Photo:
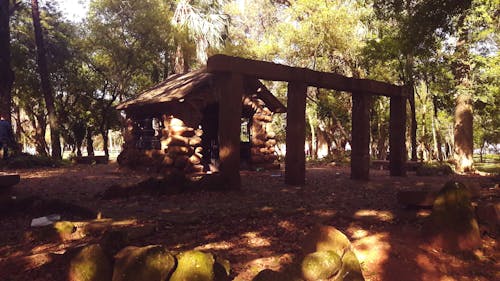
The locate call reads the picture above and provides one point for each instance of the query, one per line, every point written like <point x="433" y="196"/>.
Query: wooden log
<point x="195" y="160"/>
<point x="181" y="161"/>
<point x="188" y="133"/>
<point x="194" y="141"/>
<point x="270" y="142"/>
<point x="179" y="150"/>
<point x="271" y="135"/>
<point x="278" y="72"/>
<point x="198" y="150"/>
<point x="167" y="161"/>
<point x="360" y="144"/>
<point x="198" y="132"/>
<point x="295" y="159"/>
<point x="177" y="140"/>
<point x="263" y="118"/>
<point x="397" y="132"/>
<point x="229" y="90"/>
<point x="194" y="169"/>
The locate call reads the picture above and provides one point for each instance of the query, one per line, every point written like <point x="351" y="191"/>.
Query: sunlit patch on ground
<point x="253" y="239"/>
<point x="372" y="251"/>
<point x="287" y="225"/>
<point x="223" y="245"/>
<point x="252" y="268"/>
<point x="385" y="216"/>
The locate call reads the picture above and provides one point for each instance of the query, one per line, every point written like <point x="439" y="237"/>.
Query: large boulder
<point x="150" y="263"/>
<point x="320" y="263"/>
<point x="325" y="238"/>
<point x="489" y="213"/>
<point x="194" y="266"/>
<point x="452" y="224"/>
<point x="90" y="264"/>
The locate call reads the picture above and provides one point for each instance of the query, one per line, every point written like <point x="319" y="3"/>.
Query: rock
<point x="150" y="263"/>
<point x="434" y="169"/>
<point x="90" y="264"/>
<point x="489" y="213"/>
<point x="113" y="241"/>
<point x="452" y="225"/>
<point x="267" y="275"/>
<point x="350" y="269"/>
<point x="194" y="266"/>
<point x="65" y="229"/>
<point x="417" y="198"/>
<point x="271" y="275"/>
<point x="321" y="265"/>
<point x="9" y="180"/>
<point x="325" y="238"/>
<point x="222" y="269"/>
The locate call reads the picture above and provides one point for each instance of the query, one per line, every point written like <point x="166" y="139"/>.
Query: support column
<point x="360" y="140"/>
<point x="397" y="136"/>
<point x="229" y="91"/>
<point x="295" y="158"/>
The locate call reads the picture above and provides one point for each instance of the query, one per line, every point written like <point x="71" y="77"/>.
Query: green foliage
<point x="27" y="161"/>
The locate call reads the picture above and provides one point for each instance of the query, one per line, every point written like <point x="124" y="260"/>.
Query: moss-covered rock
<point x="321" y="265"/>
<point x="194" y="266"/>
<point x="325" y="238"/>
<point x="350" y="269"/>
<point x="434" y="169"/>
<point x="90" y="264"/>
<point x="150" y="263"/>
<point x="452" y="224"/>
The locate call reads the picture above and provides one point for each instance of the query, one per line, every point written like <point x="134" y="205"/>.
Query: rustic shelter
<point x="173" y="127"/>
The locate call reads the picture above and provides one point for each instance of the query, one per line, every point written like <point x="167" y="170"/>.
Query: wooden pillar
<point x="397" y="136"/>
<point x="295" y="159"/>
<point x="360" y="143"/>
<point x="229" y="91"/>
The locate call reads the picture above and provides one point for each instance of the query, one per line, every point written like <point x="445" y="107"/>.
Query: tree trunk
<point x="413" y="129"/>
<point x="90" y="142"/>
<point x="48" y="92"/>
<point x="6" y="73"/>
<point x="105" y="141"/>
<point x="436" y="130"/>
<point x="463" y="131"/>
<point x="314" y="143"/>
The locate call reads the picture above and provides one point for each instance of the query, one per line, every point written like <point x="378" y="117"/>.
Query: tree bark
<point x="413" y="129"/>
<point x="6" y="73"/>
<point x="463" y="130"/>
<point x="48" y="92"/>
<point x="90" y="142"/>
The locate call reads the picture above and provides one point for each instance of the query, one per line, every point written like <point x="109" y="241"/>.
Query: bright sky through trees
<point x="74" y="10"/>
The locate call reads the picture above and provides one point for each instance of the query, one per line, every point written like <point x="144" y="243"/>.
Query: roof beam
<point x="279" y="72"/>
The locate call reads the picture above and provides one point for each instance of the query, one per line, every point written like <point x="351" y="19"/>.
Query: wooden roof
<point x="180" y="86"/>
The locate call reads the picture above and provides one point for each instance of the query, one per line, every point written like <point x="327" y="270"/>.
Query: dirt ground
<point x="257" y="227"/>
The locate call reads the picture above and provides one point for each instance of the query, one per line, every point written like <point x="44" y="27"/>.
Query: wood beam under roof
<point x="279" y="72"/>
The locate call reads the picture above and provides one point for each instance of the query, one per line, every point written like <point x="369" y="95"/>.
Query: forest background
<point x="61" y="78"/>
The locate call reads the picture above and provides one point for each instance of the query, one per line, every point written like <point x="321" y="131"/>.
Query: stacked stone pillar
<point x="182" y="147"/>
<point x="263" y="140"/>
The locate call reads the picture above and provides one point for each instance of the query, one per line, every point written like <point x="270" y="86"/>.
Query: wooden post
<point x="229" y="91"/>
<point x="397" y="137"/>
<point x="295" y="159"/>
<point x="360" y="143"/>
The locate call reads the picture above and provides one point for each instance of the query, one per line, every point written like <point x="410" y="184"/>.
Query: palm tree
<point x="203" y="23"/>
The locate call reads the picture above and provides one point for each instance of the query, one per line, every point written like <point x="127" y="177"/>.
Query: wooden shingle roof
<point x="180" y="86"/>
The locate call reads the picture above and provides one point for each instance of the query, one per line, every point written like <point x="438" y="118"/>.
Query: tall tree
<point x="48" y="92"/>
<point x="6" y="73"/>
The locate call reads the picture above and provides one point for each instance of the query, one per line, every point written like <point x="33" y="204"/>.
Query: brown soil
<point x="257" y="227"/>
